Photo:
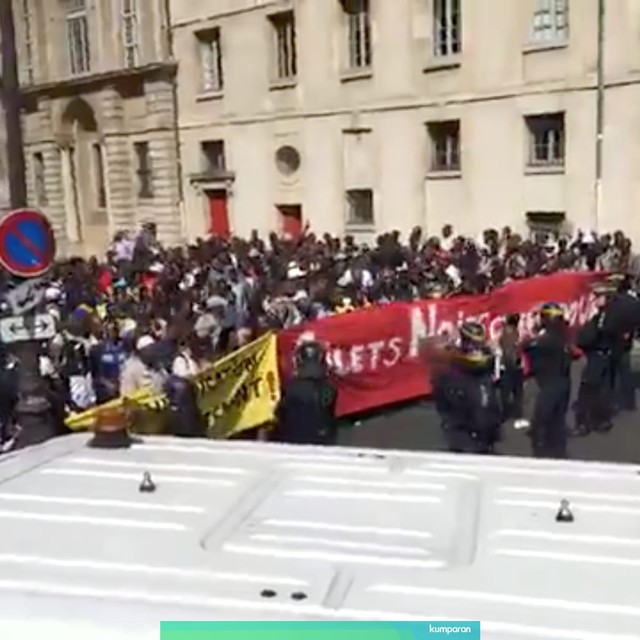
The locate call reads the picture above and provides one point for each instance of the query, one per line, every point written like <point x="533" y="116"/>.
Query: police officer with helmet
<point x="550" y="356"/>
<point x="594" y="407"/>
<point x="466" y="395"/>
<point x="622" y="320"/>
<point x="306" y="412"/>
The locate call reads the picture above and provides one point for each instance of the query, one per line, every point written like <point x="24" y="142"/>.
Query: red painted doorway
<point x="291" y="219"/>
<point x="219" y="213"/>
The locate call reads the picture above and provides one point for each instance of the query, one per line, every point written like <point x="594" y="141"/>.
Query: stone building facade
<point x="5" y="200"/>
<point x="361" y="116"/>
<point x="99" y="118"/>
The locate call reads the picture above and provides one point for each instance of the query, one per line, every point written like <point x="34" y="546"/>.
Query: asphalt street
<point x="415" y="427"/>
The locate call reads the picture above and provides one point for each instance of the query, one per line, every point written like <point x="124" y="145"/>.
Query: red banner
<point x="376" y="353"/>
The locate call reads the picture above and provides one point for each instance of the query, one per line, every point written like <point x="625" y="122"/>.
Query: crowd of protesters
<point x="146" y="313"/>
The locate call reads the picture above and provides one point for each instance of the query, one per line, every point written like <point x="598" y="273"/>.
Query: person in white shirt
<point x="447" y="240"/>
<point x="138" y="373"/>
<point x="184" y="364"/>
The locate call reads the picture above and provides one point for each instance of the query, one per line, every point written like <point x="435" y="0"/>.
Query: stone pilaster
<point x="117" y="165"/>
<point x="164" y="160"/>
<point x="55" y="207"/>
<point x="119" y="183"/>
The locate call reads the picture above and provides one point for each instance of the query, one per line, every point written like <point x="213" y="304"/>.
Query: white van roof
<point x="255" y="531"/>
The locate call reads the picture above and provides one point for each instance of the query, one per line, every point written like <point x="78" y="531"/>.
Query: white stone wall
<point x="123" y="117"/>
<point x="497" y="80"/>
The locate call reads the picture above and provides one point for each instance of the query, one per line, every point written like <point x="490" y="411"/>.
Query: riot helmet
<point x="309" y="360"/>
<point x="472" y="335"/>
<point x="551" y="314"/>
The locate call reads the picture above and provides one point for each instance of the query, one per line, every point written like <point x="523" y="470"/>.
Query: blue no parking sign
<point x="27" y="243"/>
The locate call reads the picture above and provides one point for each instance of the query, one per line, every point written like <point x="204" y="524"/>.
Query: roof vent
<point x="147" y="485"/>
<point x="268" y="593"/>
<point x="299" y="596"/>
<point x="564" y="513"/>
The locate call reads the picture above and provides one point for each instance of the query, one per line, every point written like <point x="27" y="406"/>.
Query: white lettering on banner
<point x="424" y="323"/>
<point x="359" y="358"/>
<point x="365" y="358"/>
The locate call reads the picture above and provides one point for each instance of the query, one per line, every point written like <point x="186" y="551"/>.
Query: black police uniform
<point x="183" y="417"/>
<point x="550" y="356"/>
<point x="306" y="412"/>
<point x="8" y="398"/>
<point x="594" y="406"/>
<point x="467" y="400"/>
<point x="622" y="322"/>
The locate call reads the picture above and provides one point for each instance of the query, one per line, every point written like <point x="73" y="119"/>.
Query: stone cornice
<point x="91" y="82"/>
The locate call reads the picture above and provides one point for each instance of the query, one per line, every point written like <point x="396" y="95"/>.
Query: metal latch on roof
<point x="564" y="513"/>
<point x="147" y="485"/>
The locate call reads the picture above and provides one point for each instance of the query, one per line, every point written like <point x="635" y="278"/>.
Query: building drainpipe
<point x="168" y="34"/>
<point x="600" y="113"/>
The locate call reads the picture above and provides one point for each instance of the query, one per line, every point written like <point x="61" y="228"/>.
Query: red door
<point x="291" y="219"/>
<point x="219" y="214"/>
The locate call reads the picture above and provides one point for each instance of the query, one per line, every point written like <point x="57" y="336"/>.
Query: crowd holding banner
<point x="237" y="393"/>
<point x="375" y="354"/>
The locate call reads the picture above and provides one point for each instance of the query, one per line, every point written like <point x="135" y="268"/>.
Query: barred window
<point x="445" y="145"/>
<point x="551" y="20"/>
<point x="358" y="33"/>
<point x="284" y="46"/>
<point x="143" y="170"/>
<point x="130" y="37"/>
<point x="210" y="44"/>
<point x="447" y="27"/>
<point x="78" y="37"/>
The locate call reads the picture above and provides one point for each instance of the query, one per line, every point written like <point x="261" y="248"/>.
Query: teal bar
<point x="428" y="630"/>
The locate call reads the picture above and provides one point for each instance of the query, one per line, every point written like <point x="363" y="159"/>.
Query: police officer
<point x="183" y="418"/>
<point x="622" y="322"/>
<point x="8" y="399"/>
<point x="550" y="356"/>
<point x="594" y="406"/>
<point x="306" y="412"/>
<point x="465" y="393"/>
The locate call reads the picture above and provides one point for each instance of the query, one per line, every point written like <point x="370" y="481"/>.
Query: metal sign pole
<point x="27" y="251"/>
<point x="34" y="415"/>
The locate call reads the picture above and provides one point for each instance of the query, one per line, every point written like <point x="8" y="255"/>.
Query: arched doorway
<point x="84" y="179"/>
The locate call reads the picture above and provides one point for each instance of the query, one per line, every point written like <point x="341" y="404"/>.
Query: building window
<point x="27" y="27"/>
<point x="285" y="60"/>
<point x="98" y="167"/>
<point x="38" y="179"/>
<point x="143" y="170"/>
<point x="546" y="140"/>
<point x="213" y="156"/>
<point x="447" y="28"/>
<point x="358" y="33"/>
<point x="78" y="37"/>
<point x="551" y="20"/>
<point x="360" y="207"/>
<point x="130" y="45"/>
<point x="445" y="145"/>
<point x="210" y="44"/>
<point x="545" y="225"/>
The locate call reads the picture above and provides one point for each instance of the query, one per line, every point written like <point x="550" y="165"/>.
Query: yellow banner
<point x="237" y="393"/>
